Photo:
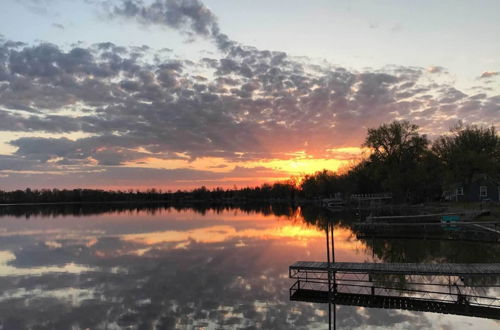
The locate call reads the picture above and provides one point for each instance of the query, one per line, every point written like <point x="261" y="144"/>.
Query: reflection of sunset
<point x="298" y="232"/>
<point x="295" y="233"/>
<point x="217" y="234"/>
<point x="262" y="227"/>
<point x="167" y="166"/>
<point x="344" y="240"/>
<point x="148" y="259"/>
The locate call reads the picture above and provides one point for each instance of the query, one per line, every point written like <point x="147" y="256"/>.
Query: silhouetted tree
<point x="398" y="155"/>
<point x="467" y="151"/>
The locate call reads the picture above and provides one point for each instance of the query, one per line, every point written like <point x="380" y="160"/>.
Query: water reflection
<point x="470" y="289"/>
<point x="150" y="267"/>
<point x="87" y="209"/>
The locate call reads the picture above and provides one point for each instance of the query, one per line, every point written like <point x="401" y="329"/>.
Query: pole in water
<point x="329" y="281"/>
<point x="333" y="243"/>
<point x="334" y="316"/>
<point x="334" y="279"/>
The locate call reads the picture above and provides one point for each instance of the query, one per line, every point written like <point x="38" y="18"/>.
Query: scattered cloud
<point x="244" y="104"/>
<point x="58" y="26"/>
<point x="191" y="16"/>
<point x="489" y="74"/>
<point x="436" y="69"/>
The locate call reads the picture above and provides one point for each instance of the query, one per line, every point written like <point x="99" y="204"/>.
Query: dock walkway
<point x="388" y="302"/>
<point x="477" y="269"/>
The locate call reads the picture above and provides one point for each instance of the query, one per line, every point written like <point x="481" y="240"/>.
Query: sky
<point x="171" y="94"/>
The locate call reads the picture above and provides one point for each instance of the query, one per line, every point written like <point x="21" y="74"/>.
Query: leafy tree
<point x="467" y="151"/>
<point x="398" y="153"/>
<point x="395" y="141"/>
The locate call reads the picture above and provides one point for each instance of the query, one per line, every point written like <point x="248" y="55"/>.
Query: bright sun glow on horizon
<point x="299" y="164"/>
<point x="244" y="173"/>
<point x="204" y="96"/>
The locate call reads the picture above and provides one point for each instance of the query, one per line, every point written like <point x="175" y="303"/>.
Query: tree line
<point x="411" y="166"/>
<point x="400" y="161"/>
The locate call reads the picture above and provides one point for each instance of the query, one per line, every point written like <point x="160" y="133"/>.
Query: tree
<point x="467" y="151"/>
<point x="392" y="142"/>
<point x="398" y="153"/>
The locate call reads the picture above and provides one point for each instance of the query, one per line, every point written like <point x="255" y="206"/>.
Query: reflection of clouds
<point x="74" y="296"/>
<point x="186" y="273"/>
<point x="140" y="221"/>
<point x="206" y="284"/>
<point x="53" y="233"/>
<point x="6" y="269"/>
<point x="359" y="317"/>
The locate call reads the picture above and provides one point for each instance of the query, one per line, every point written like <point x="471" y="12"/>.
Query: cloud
<point x="21" y="173"/>
<point x="189" y="16"/>
<point x="15" y="163"/>
<point x="488" y="74"/>
<point x="58" y="26"/>
<point x="133" y="103"/>
<point x="258" y="105"/>
<point x="436" y="69"/>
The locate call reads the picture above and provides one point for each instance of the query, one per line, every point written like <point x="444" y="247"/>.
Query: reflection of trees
<point x="438" y="249"/>
<point x="321" y="217"/>
<point x="170" y="287"/>
<point x="87" y="209"/>
<point x="78" y="209"/>
<point x="414" y="250"/>
<point x="388" y="250"/>
<point x="406" y="250"/>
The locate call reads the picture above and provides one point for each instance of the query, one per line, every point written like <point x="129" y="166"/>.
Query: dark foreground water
<point x="112" y="267"/>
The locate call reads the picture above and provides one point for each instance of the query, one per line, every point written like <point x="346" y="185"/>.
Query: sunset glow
<point x="178" y="94"/>
<point x="264" y="164"/>
<point x="273" y="169"/>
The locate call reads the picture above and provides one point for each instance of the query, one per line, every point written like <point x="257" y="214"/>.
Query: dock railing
<point x="366" y="197"/>
<point x="440" y="288"/>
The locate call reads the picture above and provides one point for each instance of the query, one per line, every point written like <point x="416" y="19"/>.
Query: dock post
<point x="334" y="306"/>
<point x="329" y="279"/>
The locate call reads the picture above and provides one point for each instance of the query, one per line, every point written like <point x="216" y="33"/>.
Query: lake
<point x="122" y="266"/>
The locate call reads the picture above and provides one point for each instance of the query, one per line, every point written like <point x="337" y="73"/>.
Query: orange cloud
<point x="489" y="74"/>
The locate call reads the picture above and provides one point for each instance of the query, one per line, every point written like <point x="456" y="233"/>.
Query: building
<point x="482" y="187"/>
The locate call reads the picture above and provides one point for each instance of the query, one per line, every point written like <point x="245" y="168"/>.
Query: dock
<point x="391" y="302"/>
<point x="371" y="197"/>
<point x="481" y="231"/>
<point x="437" y="217"/>
<point x="446" y="288"/>
<point x="406" y="224"/>
<point x="486" y="228"/>
<point x="479" y="269"/>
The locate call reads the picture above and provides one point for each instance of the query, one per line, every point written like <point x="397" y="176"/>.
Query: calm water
<point x="160" y="268"/>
